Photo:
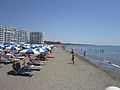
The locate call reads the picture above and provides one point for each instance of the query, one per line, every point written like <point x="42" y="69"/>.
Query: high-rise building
<point x="22" y="36"/>
<point x="36" y="37"/>
<point x="5" y="34"/>
<point x="1" y="34"/>
<point x="8" y="35"/>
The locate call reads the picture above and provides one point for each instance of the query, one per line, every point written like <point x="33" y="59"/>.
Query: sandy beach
<point x="60" y="74"/>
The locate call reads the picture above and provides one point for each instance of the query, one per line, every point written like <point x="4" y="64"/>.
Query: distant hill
<point x="77" y="44"/>
<point x="52" y="42"/>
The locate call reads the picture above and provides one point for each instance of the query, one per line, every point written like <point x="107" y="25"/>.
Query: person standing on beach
<point x="72" y="52"/>
<point x="84" y="53"/>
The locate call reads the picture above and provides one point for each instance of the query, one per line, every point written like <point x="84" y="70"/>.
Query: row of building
<point x="9" y="34"/>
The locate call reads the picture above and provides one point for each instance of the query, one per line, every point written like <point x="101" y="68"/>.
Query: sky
<point x="73" y="21"/>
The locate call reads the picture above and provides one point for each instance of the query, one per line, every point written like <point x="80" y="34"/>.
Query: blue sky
<point x="75" y="21"/>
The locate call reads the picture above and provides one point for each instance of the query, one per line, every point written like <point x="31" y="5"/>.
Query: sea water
<point x="106" y="57"/>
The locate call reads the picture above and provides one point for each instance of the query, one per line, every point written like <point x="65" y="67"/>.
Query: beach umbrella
<point x="23" y="51"/>
<point x="41" y="45"/>
<point x="34" y="46"/>
<point x="73" y="48"/>
<point x="21" y="46"/>
<point x="30" y="51"/>
<point x="46" y="47"/>
<point x="12" y="48"/>
<point x="2" y="45"/>
<point x="27" y="46"/>
<point x="7" y="44"/>
<point x="40" y="50"/>
<point x="16" y="45"/>
<point x="8" y="54"/>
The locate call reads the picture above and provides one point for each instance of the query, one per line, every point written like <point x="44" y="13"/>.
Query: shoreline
<point x="115" y="75"/>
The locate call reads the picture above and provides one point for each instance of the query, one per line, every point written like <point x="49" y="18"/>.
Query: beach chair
<point x="35" y="62"/>
<point x="10" y="58"/>
<point x="6" y="59"/>
<point x="29" y="66"/>
<point x="35" y="68"/>
<point x="50" y="56"/>
<point x="42" y="57"/>
<point x="19" y="71"/>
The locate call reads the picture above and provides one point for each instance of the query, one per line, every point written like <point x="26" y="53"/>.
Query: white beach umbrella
<point x="40" y="50"/>
<point x="30" y="51"/>
<point x="12" y="48"/>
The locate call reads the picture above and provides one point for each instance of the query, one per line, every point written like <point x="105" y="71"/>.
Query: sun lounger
<point x="29" y="66"/>
<point x="36" y="68"/>
<point x="50" y="56"/>
<point x="8" y="61"/>
<point x="5" y="61"/>
<point x="19" y="71"/>
<point x="42" y="57"/>
<point x="35" y="62"/>
<point x="20" y="57"/>
<point x="6" y="57"/>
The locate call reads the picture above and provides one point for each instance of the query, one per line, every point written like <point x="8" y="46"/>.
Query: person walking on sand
<point x="72" y="52"/>
<point x="84" y="53"/>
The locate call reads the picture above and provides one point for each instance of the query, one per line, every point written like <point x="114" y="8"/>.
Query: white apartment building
<point x="8" y="35"/>
<point x="36" y="37"/>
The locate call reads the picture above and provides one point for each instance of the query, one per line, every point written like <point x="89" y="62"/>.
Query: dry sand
<point x="59" y="74"/>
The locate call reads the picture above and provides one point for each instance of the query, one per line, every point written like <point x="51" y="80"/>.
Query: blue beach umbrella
<point x="21" y="46"/>
<point x="30" y="51"/>
<point x="27" y="46"/>
<point x="34" y="46"/>
<point x="46" y="47"/>
<point x="12" y="48"/>
<point x="45" y="50"/>
<point x="40" y="50"/>
<point x="7" y="44"/>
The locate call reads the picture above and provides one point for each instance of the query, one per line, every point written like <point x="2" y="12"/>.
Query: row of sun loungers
<point x="27" y="70"/>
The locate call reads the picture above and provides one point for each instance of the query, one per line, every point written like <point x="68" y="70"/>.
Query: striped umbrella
<point x="40" y="50"/>
<point x="30" y="51"/>
<point x="12" y="48"/>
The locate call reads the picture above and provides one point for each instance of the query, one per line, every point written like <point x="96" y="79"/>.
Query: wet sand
<point x="60" y="74"/>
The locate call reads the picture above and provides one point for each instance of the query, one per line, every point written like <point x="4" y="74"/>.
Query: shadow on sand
<point x="11" y="72"/>
<point x="70" y="63"/>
